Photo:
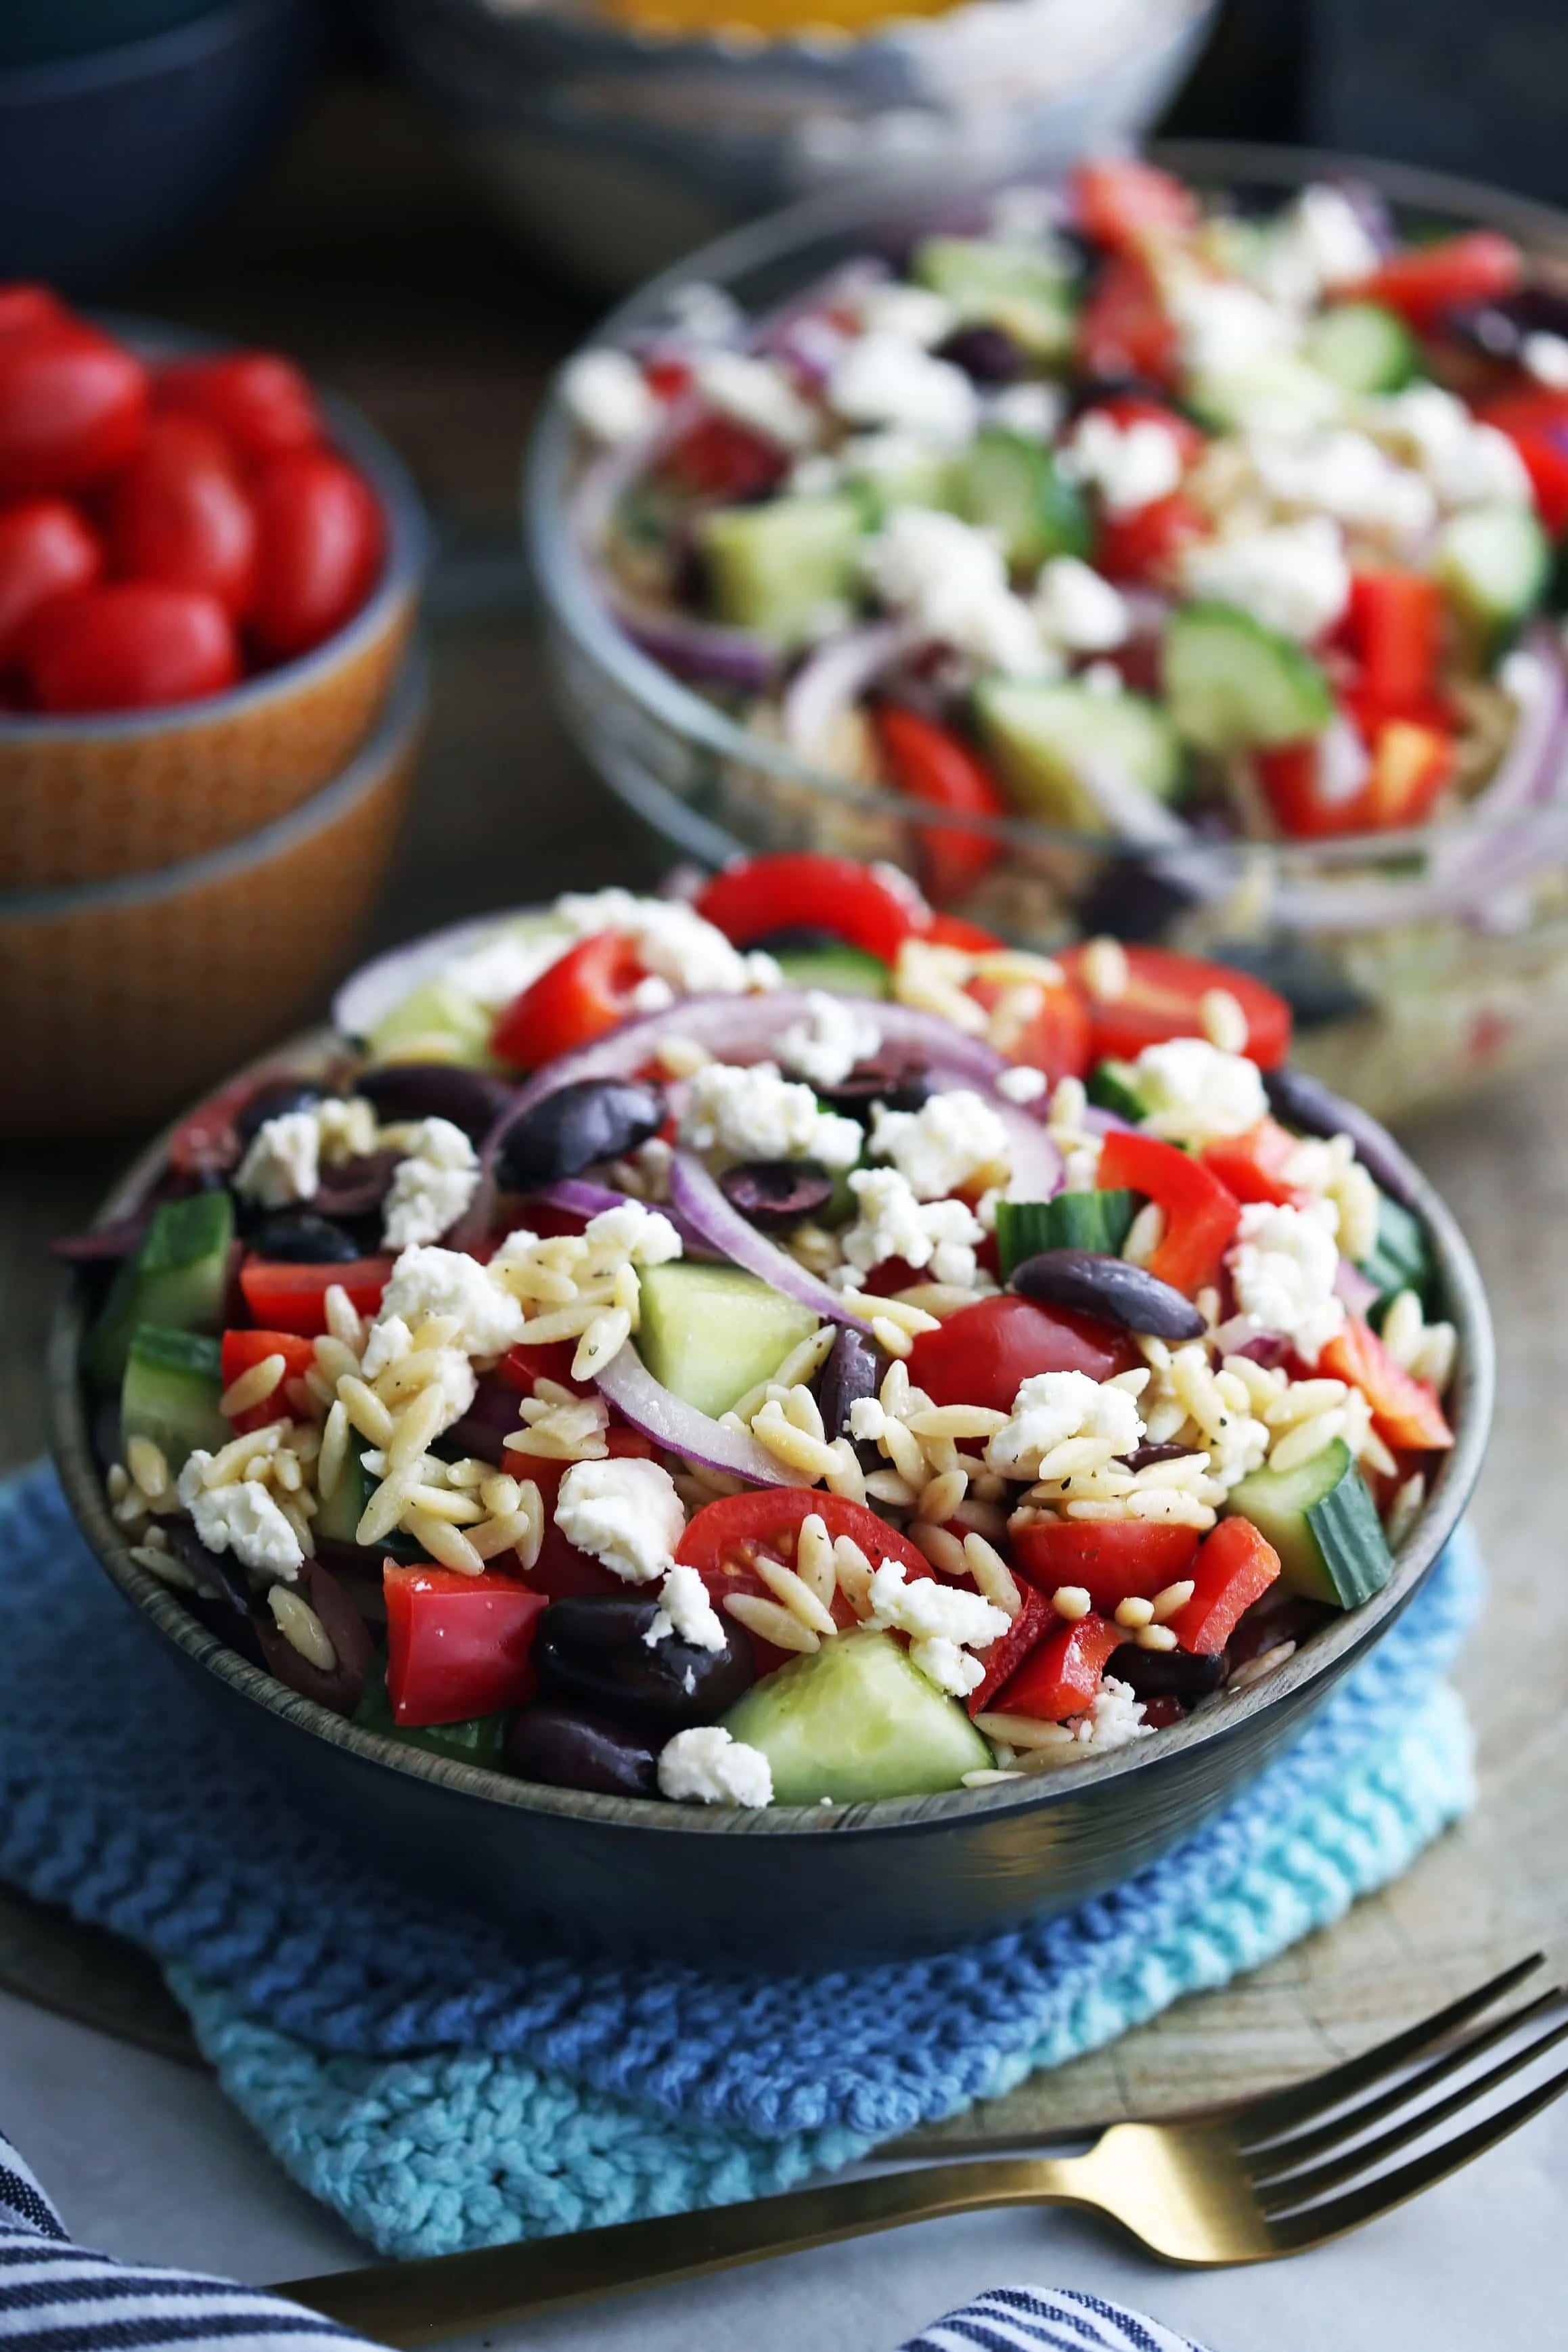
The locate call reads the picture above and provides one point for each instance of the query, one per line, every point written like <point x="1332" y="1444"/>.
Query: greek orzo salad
<point x="784" y="1346"/>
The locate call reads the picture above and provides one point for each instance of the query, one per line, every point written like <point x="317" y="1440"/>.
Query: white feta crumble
<point x="704" y="313"/>
<point x="1344" y="475"/>
<point x="1294" y="577"/>
<point x="1078" y="609"/>
<point x="672" y="940"/>
<point x="1130" y="466"/>
<point x="281" y="1164"/>
<point x="1283" y="1265"/>
<point x="1103" y="678"/>
<point x="1320" y="243"/>
<point x="426" y="1281"/>
<point x="1545" y="357"/>
<point x="944" y="1623"/>
<point x="430" y="1186"/>
<point x="685" y="1611"/>
<point x="868" y="1419"/>
<point x="501" y="967"/>
<point x="939" y="1148"/>
<point x="608" y="397"/>
<point x="242" y="1518"/>
<point x="634" y="1234"/>
<point x="914" y="314"/>
<point x="1193" y="1093"/>
<point x="834" y="1036"/>
<point x="653" y="994"/>
<point x="1023" y="1083"/>
<point x="886" y="379"/>
<point x="1466" y="462"/>
<point x="1224" y="326"/>
<point x="1051" y="1407"/>
<point x="1114" y="1720"/>
<point x="891" y="1223"/>
<point x="626" y="1513"/>
<point x="389" y="1340"/>
<point x="753" y="1112"/>
<point x="1032" y="410"/>
<point x="756" y="393"/>
<point x="707" y="1766"/>
<point x="950" y="582"/>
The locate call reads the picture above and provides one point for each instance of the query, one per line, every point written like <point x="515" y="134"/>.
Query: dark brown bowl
<point x="791" y="1885"/>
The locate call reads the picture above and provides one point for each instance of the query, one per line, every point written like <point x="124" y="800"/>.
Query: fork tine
<point x="1265" y="2118"/>
<point x="1298" y="2148"/>
<point x="1319" y="2223"/>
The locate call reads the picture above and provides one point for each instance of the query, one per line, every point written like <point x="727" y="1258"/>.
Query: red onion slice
<point x="719" y="1223"/>
<point x="581" y="1200"/>
<point x="1357" y="1291"/>
<point x="628" y="1384"/>
<point x="1038" y="1173"/>
<point x="1241" y="1336"/>
<point x="834" y="678"/>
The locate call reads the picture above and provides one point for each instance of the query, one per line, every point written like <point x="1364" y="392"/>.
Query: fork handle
<point x="422" y="2302"/>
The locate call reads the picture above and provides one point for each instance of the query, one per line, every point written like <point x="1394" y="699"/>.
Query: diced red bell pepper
<point x="459" y="1645"/>
<point x="1054" y="1038"/>
<point x="720" y="460"/>
<point x="1234" y="1567"/>
<point x="1127" y="204"/>
<point x="1007" y="1654"/>
<point x="1124" y="327"/>
<point x="241" y="1349"/>
<point x="1164" y="998"/>
<point x="981" y="1355"/>
<point x="1201" y="1213"/>
<point x="284" y="1297"/>
<point x="929" y="762"/>
<point x="1063" y="1672"/>
<point x="1405" y="1411"/>
<point x="1253" y="1165"/>
<point x="1393" y="623"/>
<point x="1141" y="549"/>
<point x="581" y="996"/>
<point x="522" y="1368"/>
<point x="1426" y="281"/>
<point x="1112" y="1560"/>
<point x="1410" y="762"/>
<point x="860" y="905"/>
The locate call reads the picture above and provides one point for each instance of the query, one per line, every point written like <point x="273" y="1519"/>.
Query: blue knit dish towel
<point x="440" y="2089"/>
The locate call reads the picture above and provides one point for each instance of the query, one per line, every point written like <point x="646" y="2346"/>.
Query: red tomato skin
<point x="1123" y="327"/>
<point x="128" y="645"/>
<point x="48" y="549"/>
<point x="457" y="1645"/>
<point x="1007" y="1654"/>
<point x="722" y="1541"/>
<point x="1405" y="1411"/>
<point x="720" y="460"/>
<point x="24" y="310"/>
<point x="1141" y="549"/>
<point x="284" y="1297"/>
<point x="73" y="409"/>
<point x="1062" y="1675"/>
<point x="523" y="1367"/>
<point x="1234" y="1567"/>
<point x="1162" y="1000"/>
<point x="929" y="762"/>
<point x="983" y="1354"/>
<point x="241" y="1349"/>
<point x="1126" y="204"/>
<point x="1112" y="1560"/>
<point x="581" y="996"/>
<point x="1055" y="1039"/>
<point x="760" y="895"/>
<point x="561" y="1572"/>
<point x="1252" y="1166"/>
<point x="1427" y="281"/>
<point x="179" y="513"/>
<point x="262" y="404"/>
<point x="319" y="543"/>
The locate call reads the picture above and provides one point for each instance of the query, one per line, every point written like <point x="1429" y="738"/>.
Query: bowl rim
<point x="409" y="546"/>
<point x="169" y="50"/>
<point x="575" y="607"/>
<point x="1318" y="1660"/>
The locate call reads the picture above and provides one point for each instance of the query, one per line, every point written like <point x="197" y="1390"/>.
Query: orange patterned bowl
<point x="121" y="999"/>
<point x="84" y="800"/>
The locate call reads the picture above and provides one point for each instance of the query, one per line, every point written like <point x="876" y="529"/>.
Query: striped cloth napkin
<point x="60" y="2297"/>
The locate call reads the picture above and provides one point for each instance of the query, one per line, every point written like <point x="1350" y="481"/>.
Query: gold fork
<point x="1246" y="2185"/>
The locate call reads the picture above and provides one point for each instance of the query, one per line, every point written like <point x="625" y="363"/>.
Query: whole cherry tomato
<point x="129" y="646"/>
<point x="73" y="408"/>
<point x="319" y="549"/>
<point x="180" y="514"/>
<point x="47" y="548"/>
<point x="260" y="403"/>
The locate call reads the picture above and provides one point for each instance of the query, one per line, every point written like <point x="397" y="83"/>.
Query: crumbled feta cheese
<point x="1283" y="1265"/>
<point x="1116" y="1719"/>
<point x="242" y="1518"/>
<point x="1193" y="1093"/>
<point x="1103" y="678"/>
<point x="941" y="1662"/>
<point x="868" y="1419"/>
<point x="1033" y="411"/>
<point x="446" y="1282"/>
<point x="1022" y="1084"/>
<point x="891" y="1223"/>
<point x="389" y="1340"/>
<point x="626" y="1513"/>
<point x="1545" y="357"/>
<point x="886" y="379"/>
<point x="1051" y="1408"/>
<point x="939" y="1148"/>
<point x="432" y="1186"/>
<point x="1294" y="577"/>
<point x="1027" y="215"/>
<point x="944" y="1622"/>
<point x="281" y="1164"/>
<point x="756" y="393"/>
<point x="501" y="967"/>
<point x="704" y="313"/>
<point x="755" y="1113"/>
<point x="685" y="1611"/>
<point x="1346" y="476"/>
<point x="633" y="1234"/>
<point x="1129" y="465"/>
<point x="672" y="940"/>
<point x="950" y="582"/>
<point x="707" y="1766"/>
<point x="1224" y="326"/>
<point x="608" y="397"/>
<point x="1321" y="242"/>
<point x="914" y="314"/>
<point x="1078" y="610"/>
<point x="653" y="994"/>
<point x="835" y="1034"/>
<point x="1466" y="463"/>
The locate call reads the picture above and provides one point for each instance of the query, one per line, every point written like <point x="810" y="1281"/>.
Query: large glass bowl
<point x="1420" y="964"/>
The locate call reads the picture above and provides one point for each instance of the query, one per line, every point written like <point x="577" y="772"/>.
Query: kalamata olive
<point x="487" y="1424"/>
<point x="989" y="354"/>
<point x="1091" y="1283"/>
<point x="272" y="1100"/>
<point x="1290" y="1617"/>
<point x="1166" y="1673"/>
<point x="572" y="1749"/>
<point x="853" y="1370"/>
<point x="776" y="1193"/>
<point x="598" y="1118"/>
<point x="355" y="1187"/>
<point x="336" y="1686"/>
<point x="1499" y="329"/>
<point x="217" y="1571"/>
<point x="471" y="1099"/>
<point x="902" y="1086"/>
<point x="1094" y="391"/>
<point x="1141" y="1456"/>
<point x="297" y="1237"/>
<point x="594" y="1649"/>
<point x="1306" y="1103"/>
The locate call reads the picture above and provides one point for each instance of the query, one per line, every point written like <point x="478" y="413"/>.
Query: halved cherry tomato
<point x="1201" y="1216"/>
<point x="241" y="1349"/>
<point x="522" y="1368"/>
<point x="1395" y="622"/>
<point x="1007" y="1654"/>
<point x="1112" y="1560"/>
<point x="285" y="1298"/>
<point x="319" y="549"/>
<point x="1234" y="1567"/>
<point x="1063" y="1675"/>
<point x="1127" y="204"/>
<point x="24" y="308"/>
<point x="1164" y="998"/>
<point x="1055" y="1038"/>
<point x="561" y="1572"/>
<point x="1409" y="763"/>
<point x="1405" y="1411"/>
<point x="859" y="904"/>
<point x="1143" y="547"/>
<point x="73" y="408"/>
<point x="581" y="996"/>
<point x="1426" y="280"/>
<point x="1124" y="327"/>
<point x="1253" y="1165"/>
<point x="720" y="460"/>
<point x="261" y="403"/>
<point x="953" y="931"/>
<point x="180" y="513"/>
<point x="128" y="645"/>
<point x="983" y="1354"/>
<point x="459" y="1645"/>
<point x="47" y="548"/>
<point x="929" y="762"/>
<point x="723" y="1542"/>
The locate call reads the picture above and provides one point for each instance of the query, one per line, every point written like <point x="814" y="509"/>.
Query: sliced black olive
<point x="1094" y="391"/>
<point x="901" y="1085"/>
<point x="570" y="1747"/>
<point x="273" y="1100"/>
<point x="598" y="1118"/>
<point x="777" y="1194"/>
<point x="853" y="1371"/>
<point x="1110" y="1288"/>
<point x="989" y="354"/>
<point x="1143" y="1456"/>
<point x="1499" y="329"/>
<point x="1166" y="1673"/>
<point x="336" y="1686"/>
<point x="217" y="1571"/>
<point x="356" y="1186"/>
<point x="1306" y="1103"/>
<point x="297" y="1237"/>
<point x="470" y="1099"/>
<point x="593" y="1650"/>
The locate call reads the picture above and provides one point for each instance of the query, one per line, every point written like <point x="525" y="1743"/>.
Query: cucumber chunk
<point x="434" y="1022"/>
<point x="1114" y="1086"/>
<point x="1099" y="1221"/>
<point x="886" y="480"/>
<point x="1232" y="685"/>
<point x="854" y="1722"/>
<point x="842" y="971"/>
<point x="1400" y="1259"/>
<point x="1014" y="489"/>
<point x="709" y="1333"/>
<point x="1274" y="392"/>
<point x="1495" y="563"/>
<point x="170" y="1394"/>
<point x="1024" y="292"/>
<point x="342" y="1510"/>
<point x="178" y="1279"/>
<point x="1046" y="740"/>
<point x="778" y="568"/>
<point x="1363" y="348"/>
<point x="1323" y="1524"/>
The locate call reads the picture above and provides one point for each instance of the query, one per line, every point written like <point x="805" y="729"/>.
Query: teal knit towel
<point x="439" y="2089"/>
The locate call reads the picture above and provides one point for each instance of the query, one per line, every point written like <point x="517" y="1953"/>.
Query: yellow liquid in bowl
<point x="772" y="20"/>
